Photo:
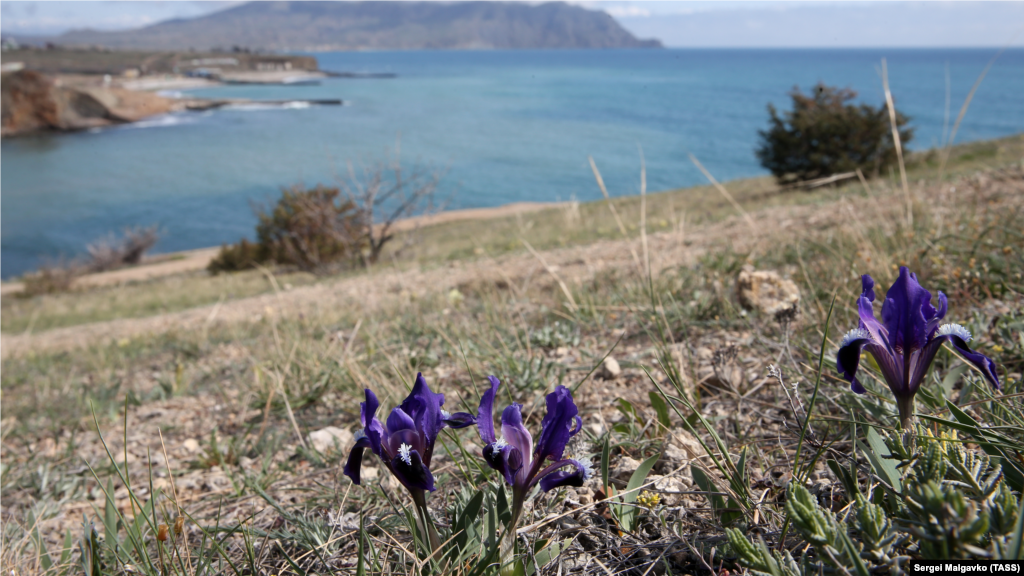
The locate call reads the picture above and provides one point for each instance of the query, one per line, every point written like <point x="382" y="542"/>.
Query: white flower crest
<point x="586" y="467"/>
<point x="499" y="444"/>
<point x="360" y="434"/>
<point x="445" y="415"/>
<point x="955" y="330"/>
<point x="403" y="452"/>
<point x="854" y="334"/>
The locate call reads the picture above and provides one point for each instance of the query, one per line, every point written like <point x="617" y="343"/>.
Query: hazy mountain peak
<point x="377" y="26"/>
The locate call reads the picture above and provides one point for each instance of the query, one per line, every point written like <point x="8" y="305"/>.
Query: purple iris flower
<point x="905" y="342"/>
<point x="406" y="443"/>
<point x="513" y="453"/>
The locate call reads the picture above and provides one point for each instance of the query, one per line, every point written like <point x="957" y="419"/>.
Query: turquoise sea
<point x="508" y="126"/>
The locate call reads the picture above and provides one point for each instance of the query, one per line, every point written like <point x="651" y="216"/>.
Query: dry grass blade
<point x="611" y="206"/>
<point x="561" y="284"/>
<point x="643" y="212"/>
<point x="721" y="189"/>
<point x="897" y="143"/>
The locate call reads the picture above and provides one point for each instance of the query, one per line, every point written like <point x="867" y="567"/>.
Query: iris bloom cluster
<point x="905" y="342"/>
<point x="405" y="444"/>
<point x="513" y="454"/>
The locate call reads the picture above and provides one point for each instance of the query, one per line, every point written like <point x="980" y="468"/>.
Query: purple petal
<point x="399" y="420"/>
<point x="557" y="426"/>
<point x="485" y="416"/>
<point x="958" y="337"/>
<point x="409" y="469"/>
<point x="848" y="357"/>
<point x="424" y="406"/>
<point x="408" y="437"/>
<point x="372" y="427"/>
<point x="906" y="312"/>
<point x="460" y="420"/>
<point x="514" y="432"/>
<point x="867" y="287"/>
<point x="553" y="477"/>
<point x="504" y="458"/>
<point x="868" y="322"/>
<point x="355" y="459"/>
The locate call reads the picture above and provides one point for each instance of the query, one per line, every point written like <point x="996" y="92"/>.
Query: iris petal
<point x="355" y="459"/>
<point x="848" y="357"/>
<point x="460" y="420"/>
<point x="557" y="426"/>
<point x="553" y="476"/>
<point x="906" y="312"/>
<point x="399" y="420"/>
<point x="410" y="470"/>
<point x="424" y="406"/>
<point x="485" y="415"/>
<point x="514" y="432"/>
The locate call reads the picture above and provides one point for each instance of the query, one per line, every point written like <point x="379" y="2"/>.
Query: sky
<point x="698" y="23"/>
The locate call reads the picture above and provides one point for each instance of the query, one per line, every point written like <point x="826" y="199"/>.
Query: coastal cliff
<point x="32" y="102"/>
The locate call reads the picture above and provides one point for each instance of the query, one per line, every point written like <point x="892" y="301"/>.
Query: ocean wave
<point x="254" y="107"/>
<point x="176" y="94"/>
<point x="161" y="121"/>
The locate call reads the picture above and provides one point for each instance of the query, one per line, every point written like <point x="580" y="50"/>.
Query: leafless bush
<point x="51" y="278"/>
<point x="384" y="193"/>
<point x="111" y="253"/>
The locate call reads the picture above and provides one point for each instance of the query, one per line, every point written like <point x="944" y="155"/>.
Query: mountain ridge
<point x="324" y="26"/>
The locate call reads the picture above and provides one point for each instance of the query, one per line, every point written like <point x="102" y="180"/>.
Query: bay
<point x="507" y="126"/>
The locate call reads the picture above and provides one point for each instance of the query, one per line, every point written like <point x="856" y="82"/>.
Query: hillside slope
<point x="377" y="26"/>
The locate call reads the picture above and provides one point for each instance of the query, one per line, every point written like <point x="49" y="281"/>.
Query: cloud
<point x="628" y="11"/>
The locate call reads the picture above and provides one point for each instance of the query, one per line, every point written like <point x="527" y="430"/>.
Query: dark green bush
<point x="235" y="257"/>
<point x="825" y="134"/>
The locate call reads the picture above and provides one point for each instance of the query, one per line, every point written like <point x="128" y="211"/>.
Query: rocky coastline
<point x="61" y="90"/>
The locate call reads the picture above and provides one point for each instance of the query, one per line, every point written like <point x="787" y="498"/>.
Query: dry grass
<point x="205" y="394"/>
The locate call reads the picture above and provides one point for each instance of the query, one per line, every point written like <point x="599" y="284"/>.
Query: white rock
<point x="766" y="291"/>
<point x="329" y="438"/>
<point x="610" y="369"/>
<point x="191" y="444"/>
<point x="624" y="470"/>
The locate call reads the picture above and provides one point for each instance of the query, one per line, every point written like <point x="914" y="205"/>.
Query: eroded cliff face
<point x="33" y="102"/>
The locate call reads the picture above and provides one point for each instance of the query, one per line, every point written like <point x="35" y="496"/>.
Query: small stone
<point x="664" y="484"/>
<point x="766" y="291"/>
<point x="191" y="444"/>
<point x="624" y="470"/>
<point x="684" y="440"/>
<point x="330" y="438"/>
<point x="610" y="369"/>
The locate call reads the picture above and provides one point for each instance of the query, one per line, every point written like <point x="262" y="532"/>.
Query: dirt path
<point x="192" y="260"/>
<point x="384" y="286"/>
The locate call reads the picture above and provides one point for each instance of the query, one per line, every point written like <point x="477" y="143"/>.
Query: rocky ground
<point x="241" y="413"/>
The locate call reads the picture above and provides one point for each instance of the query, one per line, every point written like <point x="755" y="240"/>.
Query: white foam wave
<point x="161" y="121"/>
<point x="254" y="107"/>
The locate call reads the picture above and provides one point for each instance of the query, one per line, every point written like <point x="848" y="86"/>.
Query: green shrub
<point x="825" y="134"/>
<point x="312" y="229"/>
<point x="235" y="257"/>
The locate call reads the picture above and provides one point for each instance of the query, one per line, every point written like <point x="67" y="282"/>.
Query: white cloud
<point x="628" y="11"/>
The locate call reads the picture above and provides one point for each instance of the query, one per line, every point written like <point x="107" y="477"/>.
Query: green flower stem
<point x="419" y="498"/>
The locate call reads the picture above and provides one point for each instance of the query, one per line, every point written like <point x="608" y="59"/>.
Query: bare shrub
<point x="384" y="193"/>
<point x="51" y="278"/>
<point x="111" y="253"/>
<point x="322" y="228"/>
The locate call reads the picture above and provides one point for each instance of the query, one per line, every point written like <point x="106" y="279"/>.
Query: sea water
<point x="504" y="126"/>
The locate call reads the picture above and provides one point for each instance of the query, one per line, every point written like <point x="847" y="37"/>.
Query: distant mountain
<point x="321" y="26"/>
